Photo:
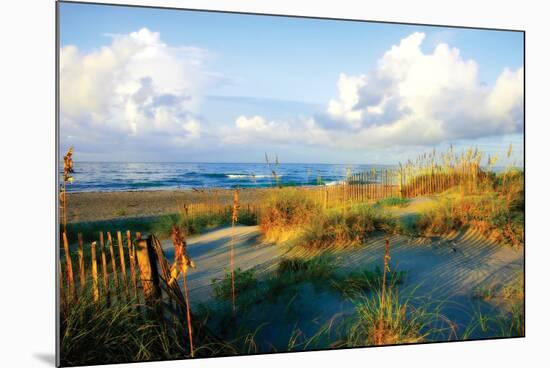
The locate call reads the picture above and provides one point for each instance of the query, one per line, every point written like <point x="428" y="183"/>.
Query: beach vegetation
<point x="393" y="202"/>
<point x="299" y="269"/>
<point x="509" y="299"/>
<point x="497" y="212"/>
<point x="119" y="332"/>
<point x="285" y="213"/>
<point x="340" y="229"/>
<point x="161" y="225"/>
<point x="120" y="212"/>
<point x="360" y="282"/>
<point x="394" y="322"/>
<point x="244" y="281"/>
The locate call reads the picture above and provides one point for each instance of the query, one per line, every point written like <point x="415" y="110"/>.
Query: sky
<point x="142" y="85"/>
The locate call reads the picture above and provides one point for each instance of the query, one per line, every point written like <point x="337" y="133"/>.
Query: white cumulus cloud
<point x="413" y="97"/>
<point x="133" y="88"/>
<point x="410" y="98"/>
<point x="256" y="129"/>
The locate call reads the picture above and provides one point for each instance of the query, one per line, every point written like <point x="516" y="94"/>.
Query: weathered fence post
<point x="95" y="286"/>
<point x="122" y="261"/>
<point x="148" y="272"/>
<point x="81" y="267"/>
<point x="113" y="260"/>
<point x="104" y="267"/>
<point x="69" y="266"/>
<point x="132" y="254"/>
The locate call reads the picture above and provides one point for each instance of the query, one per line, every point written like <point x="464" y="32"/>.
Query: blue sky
<point x="285" y="72"/>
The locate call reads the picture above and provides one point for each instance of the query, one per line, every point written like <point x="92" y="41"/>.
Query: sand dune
<point x="442" y="275"/>
<point x="210" y="252"/>
<point x="442" y="268"/>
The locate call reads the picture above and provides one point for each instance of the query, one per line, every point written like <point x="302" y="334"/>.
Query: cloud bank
<point x="410" y="98"/>
<point x="139" y="94"/>
<point x="133" y="90"/>
<point x="257" y="129"/>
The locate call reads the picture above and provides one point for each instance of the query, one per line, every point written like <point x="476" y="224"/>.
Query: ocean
<point x="119" y="176"/>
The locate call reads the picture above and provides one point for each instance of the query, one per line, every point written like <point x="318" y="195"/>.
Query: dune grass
<point x="198" y="224"/>
<point x="339" y="228"/>
<point x="496" y="210"/>
<point x="494" y="206"/>
<point x="360" y="282"/>
<point x="94" y="333"/>
<point x="286" y="212"/>
<point x="281" y="287"/>
<point x="509" y="298"/>
<point x="394" y="321"/>
<point x="289" y="215"/>
<point x="382" y="318"/>
<point x="321" y="266"/>
<point x="510" y="323"/>
<point x="393" y="202"/>
<point x="160" y="225"/>
<point x="244" y="281"/>
<point x="280" y="284"/>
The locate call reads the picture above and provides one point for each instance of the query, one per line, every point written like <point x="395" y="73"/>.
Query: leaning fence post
<point x="68" y="265"/>
<point x="148" y="271"/>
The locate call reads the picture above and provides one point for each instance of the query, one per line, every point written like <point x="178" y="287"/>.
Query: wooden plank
<point x="132" y="254"/>
<point x="386" y="183"/>
<point x="81" y="267"/>
<point x="68" y="265"/>
<point x="148" y="272"/>
<point x="122" y="260"/>
<point x="165" y="268"/>
<point x="104" y="266"/>
<point x="95" y="283"/>
<point x="113" y="261"/>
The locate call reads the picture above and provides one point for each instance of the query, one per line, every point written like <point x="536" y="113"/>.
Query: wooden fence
<point x="372" y="185"/>
<point x="361" y="187"/>
<point x="252" y="207"/>
<point x="119" y="268"/>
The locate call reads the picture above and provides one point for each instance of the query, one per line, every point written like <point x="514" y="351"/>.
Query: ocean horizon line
<point x="522" y="166"/>
<point x="228" y="163"/>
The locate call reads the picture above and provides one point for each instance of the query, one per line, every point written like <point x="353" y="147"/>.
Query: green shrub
<point x="286" y="213"/>
<point x="394" y="321"/>
<point x="393" y="202"/>
<point x="338" y="229"/>
<point x="306" y="269"/>
<point x="359" y="282"/>
<point x="244" y="281"/>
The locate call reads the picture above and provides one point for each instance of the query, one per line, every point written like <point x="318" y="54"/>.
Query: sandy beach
<point x="94" y="206"/>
